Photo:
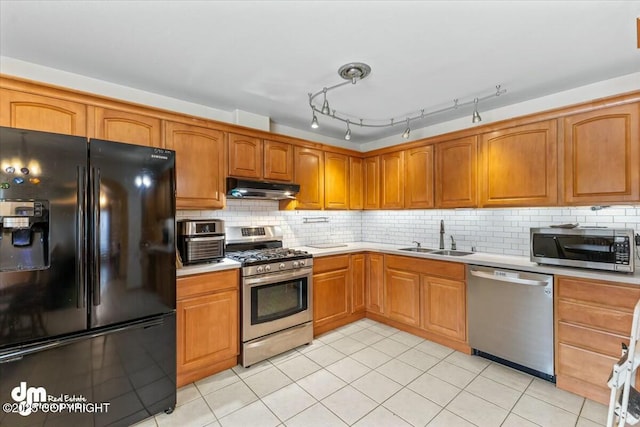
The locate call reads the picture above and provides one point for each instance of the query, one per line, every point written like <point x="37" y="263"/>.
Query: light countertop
<point x="225" y="264"/>
<point x="477" y="258"/>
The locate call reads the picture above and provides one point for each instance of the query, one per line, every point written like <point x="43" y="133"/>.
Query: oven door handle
<point x="203" y="239"/>
<point x="277" y="277"/>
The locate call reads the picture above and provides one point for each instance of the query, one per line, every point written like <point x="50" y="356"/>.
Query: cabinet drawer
<point x="606" y="343"/>
<point x="597" y="317"/>
<point x="605" y="293"/>
<point x="586" y="365"/>
<point x="452" y="270"/>
<point x="330" y="263"/>
<point x="197" y="284"/>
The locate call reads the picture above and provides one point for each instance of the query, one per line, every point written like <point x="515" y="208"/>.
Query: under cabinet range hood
<point x="247" y="189"/>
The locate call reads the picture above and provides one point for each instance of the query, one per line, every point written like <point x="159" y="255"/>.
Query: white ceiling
<point x="264" y="57"/>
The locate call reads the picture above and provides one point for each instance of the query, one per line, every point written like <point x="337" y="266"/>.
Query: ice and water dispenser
<point x="24" y="235"/>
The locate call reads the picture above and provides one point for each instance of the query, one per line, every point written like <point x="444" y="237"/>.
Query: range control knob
<point x="303" y="263"/>
<point x="295" y="264"/>
<point x="267" y="268"/>
<point x="260" y="269"/>
<point x="282" y="266"/>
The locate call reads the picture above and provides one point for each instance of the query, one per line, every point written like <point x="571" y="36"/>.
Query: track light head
<point x="325" y="107"/>
<point x="476" y="116"/>
<point x="407" y="131"/>
<point x="347" y="135"/>
<point x="314" y="122"/>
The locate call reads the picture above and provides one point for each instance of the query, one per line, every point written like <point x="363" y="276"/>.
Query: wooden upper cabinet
<point x="278" y="161"/>
<point x="245" y="156"/>
<point x="418" y="178"/>
<point x="42" y="113"/>
<point x="356" y="183"/>
<point x="602" y="156"/>
<point x="309" y="174"/>
<point x="392" y="180"/>
<point x="519" y="167"/>
<point x="372" y="182"/>
<point x="199" y="165"/>
<point x="131" y="128"/>
<point x="456" y="177"/>
<point x="336" y="181"/>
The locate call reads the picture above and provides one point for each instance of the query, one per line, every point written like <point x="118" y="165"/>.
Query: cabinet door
<point x="35" y="112"/>
<point x="418" y="182"/>
<point x="372" y="182"/>
<point x="392" y="180"/>
<point x="402" y="301"/>
<point x="375" y="283"/>
<point x="602" y="156"/>
<point x="444" y="307"/>
<point x="456" y="180"/>
<point x="245" y="156"/>
<point x="207" y="331"/>
<point x="592" y="318"/>
<point x="358" y="301"/>
<point x="309" y="174"/>
<point x="278" y="161"/>
<point x="131" y="128"/>
<point x="519" y="166"/>
<point x="199" y="165"/>
<point x="330" y="296"/>
<point x="336" y="181"/>
<point x="356" y="183"/>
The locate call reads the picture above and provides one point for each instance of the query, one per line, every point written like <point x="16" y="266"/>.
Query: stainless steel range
<point x="276" y="292"/>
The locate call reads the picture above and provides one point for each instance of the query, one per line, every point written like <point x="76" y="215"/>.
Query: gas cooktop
<point x="265" y="256"/>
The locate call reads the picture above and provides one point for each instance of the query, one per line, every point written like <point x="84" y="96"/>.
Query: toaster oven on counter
<point x="201" y="241"/>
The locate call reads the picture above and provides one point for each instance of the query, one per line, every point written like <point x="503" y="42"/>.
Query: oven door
<point x="276" y="301"/>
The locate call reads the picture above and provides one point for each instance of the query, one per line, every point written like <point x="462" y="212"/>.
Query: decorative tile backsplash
<point x="500" y="231"/>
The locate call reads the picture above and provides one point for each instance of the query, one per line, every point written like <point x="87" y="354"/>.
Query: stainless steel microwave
<point x="597" y="248"/>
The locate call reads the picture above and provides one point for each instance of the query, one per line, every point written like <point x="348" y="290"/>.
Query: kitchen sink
<point x="451" y="253"/>
<point x="422" y="250"/>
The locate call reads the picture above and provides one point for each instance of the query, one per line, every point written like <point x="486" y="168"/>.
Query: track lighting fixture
<point x="356" y="71"/>
<point x="476" y="116"/>
<point x="347" y="135"/>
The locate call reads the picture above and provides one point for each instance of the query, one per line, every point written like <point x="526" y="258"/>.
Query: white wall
<point x="27" y="70"/>
<point x="499" y="231"/>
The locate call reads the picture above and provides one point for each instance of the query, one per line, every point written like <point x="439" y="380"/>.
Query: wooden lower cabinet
<point x="207" y="324"/>
<point x="333" y="293"/>
<point x="358" y="283"/>
<point x="402" y="290"/>
<point x="444" y="306"/>
<point x="374" y="293"/>
<point x="592" y="319"/>
<point x="427" y="298"/>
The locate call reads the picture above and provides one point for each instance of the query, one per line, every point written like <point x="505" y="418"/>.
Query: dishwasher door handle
<point x="516" y="280"/>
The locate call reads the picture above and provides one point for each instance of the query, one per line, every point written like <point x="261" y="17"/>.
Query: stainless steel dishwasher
<point x="510" y="315"/>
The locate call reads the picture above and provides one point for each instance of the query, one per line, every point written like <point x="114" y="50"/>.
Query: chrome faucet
<point x="442" y="234"/>
<point x="417" y="244"/>
<point x="453" y="243"/>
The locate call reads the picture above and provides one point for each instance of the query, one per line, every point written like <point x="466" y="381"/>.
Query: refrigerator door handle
<point x="95" y="200"/>
<point x="81" y="232"/>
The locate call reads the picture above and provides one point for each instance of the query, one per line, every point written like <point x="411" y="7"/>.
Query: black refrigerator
<point x="87" y="281"/>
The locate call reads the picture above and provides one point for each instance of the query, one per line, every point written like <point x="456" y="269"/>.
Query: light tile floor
<point x="370" y="374"/>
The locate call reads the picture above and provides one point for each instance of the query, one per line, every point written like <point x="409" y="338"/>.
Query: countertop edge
<point x="479" y="258"/>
